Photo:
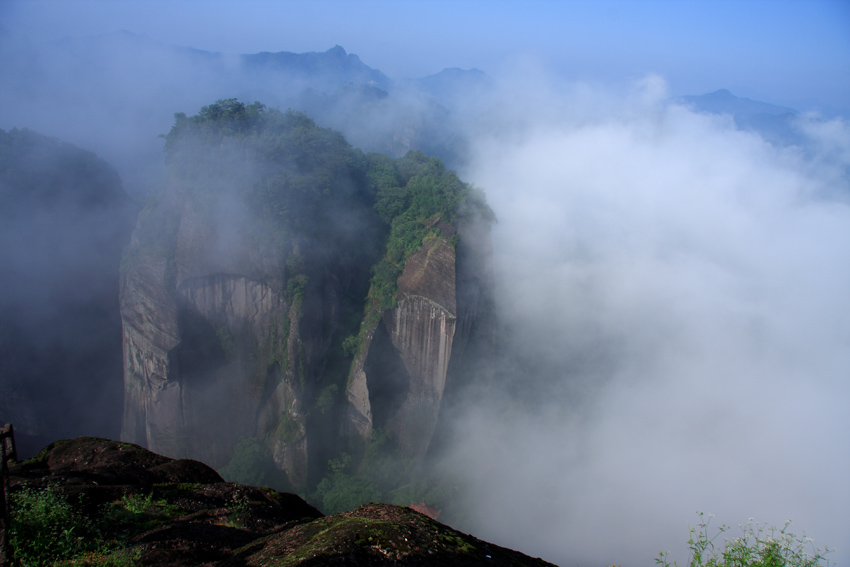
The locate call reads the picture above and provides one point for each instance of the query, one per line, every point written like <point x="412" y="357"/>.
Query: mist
<point x="672" y="291"/>
<point x="677" y="290"/>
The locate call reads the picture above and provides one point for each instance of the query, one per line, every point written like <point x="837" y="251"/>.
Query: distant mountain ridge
<point x="776" y="124"/>
<point x="724" y="102"/>
<point x="334" y="66"/>
<point x="454" y="83"/>
<point x="119" y="91"/>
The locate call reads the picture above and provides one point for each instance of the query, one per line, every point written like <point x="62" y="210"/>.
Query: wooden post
<point x="7" y="452"/>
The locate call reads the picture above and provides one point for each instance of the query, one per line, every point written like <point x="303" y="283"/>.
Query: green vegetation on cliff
<point x="270" y="196"/>
<point x="412" y="196"/>
<point x="270" y="176"/>
<point x="281" y="179"/>
<point x="297" y="179"/>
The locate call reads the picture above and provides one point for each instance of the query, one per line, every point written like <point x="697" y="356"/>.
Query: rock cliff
<point x="243" y="291"/>
<point x="398" y="381"/>
<point x="208" y="353"/>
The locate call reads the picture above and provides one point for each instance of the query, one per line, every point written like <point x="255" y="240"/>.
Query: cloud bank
<point x="681" y="287"/>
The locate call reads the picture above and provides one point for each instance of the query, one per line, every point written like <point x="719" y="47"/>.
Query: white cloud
<point x="710" y="272"/>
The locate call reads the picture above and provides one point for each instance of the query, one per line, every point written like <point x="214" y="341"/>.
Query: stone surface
<point x="183" y="514"/>
<point x="223" y="341"/>
<point x="399" y="377"/>
<point x="210" y="352"/>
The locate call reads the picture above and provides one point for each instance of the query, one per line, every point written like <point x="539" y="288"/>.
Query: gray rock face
<point x="422" y="331"/>
<point x="399" y="378"/>
<point x="221" y="345"/>
<point x="209" y="352"/>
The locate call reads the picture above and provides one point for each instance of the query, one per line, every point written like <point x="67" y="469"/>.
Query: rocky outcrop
<point x="245" y="285"/>
<point x="209" y="351"/>
<point x="215" y="353"/>
<point x="398" y="380"/>
<point x="128" y="505"/>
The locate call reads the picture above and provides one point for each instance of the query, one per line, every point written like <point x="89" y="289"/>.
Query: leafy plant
<point x="327" y="398"/>
<point x="343" y="489"/>
<point x="249" y="463"/>
<point x="239" y="512"/>
<point x="138" y="504"/>
<point x="350" y="345"/>
<point x="757" y="546"/>
<point x="252" y="464"/>
<point x="46" y="528"/>
<point x="120" y="558"/>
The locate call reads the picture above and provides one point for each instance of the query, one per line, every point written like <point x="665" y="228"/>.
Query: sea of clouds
<point x="702" y="276"/>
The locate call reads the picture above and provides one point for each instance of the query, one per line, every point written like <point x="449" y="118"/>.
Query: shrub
<point x="46" y="528"/>
<point x="343" y="489"/>
<point x="135" y="513"/>
<point x="250" y="464"/>
<point x="350" y="345"/>
<point x="327" y="398"/>
<point x="758" y="546"/>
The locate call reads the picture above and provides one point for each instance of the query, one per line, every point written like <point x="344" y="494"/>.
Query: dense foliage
<point x="377" y="479"/>
<point x="252" y="464"/>
<point x="47" y="528"/>
<point x="288" y="177"/>
<point x="413" y="194"/>
<point x="298" y="179"/>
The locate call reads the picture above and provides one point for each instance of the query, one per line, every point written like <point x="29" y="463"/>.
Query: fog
<point x="672" y="291"/>
<point x="682" y="289"/>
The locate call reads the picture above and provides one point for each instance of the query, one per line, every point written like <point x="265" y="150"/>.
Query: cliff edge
<point x="127" y="505"/>
<point x="285" y="287"/>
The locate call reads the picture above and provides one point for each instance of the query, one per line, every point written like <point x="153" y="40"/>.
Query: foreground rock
<point x="160" y="511"/>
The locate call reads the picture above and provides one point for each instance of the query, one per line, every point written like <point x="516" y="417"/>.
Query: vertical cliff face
<point x="150" y="335"/>
<point x="422" y="331"/>
<point x="211" y="356"/>
<point x="398" y="381"/>
<point x="244" y="287"/>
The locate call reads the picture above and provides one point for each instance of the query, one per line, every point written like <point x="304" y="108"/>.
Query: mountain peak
<point x="721" y="93"/>
<point x="724" y="102"/>
<point x="327" y="70"/>
<point x="337" y="51"/>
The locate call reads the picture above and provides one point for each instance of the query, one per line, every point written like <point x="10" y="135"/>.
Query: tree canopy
<point x="299" y="180"/>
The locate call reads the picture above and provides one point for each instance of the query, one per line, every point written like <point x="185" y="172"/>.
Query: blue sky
<point x="789" y="52"/>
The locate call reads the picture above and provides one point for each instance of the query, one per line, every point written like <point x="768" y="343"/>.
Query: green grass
<point x="46" y="528"/>
<point x="49" y="529"/>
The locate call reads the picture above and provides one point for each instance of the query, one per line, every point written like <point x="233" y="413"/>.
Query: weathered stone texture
<point x="421" y="332"/>
<point x="216" y="351"/>
<point x="209" y="352"/>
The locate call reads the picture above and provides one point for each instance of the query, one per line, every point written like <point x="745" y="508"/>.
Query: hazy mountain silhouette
<point x="775" y="123"/>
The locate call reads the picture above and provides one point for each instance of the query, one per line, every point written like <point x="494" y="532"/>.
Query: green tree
<point x="342" y="489"/>
<point x="252" y="464"/>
